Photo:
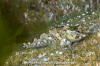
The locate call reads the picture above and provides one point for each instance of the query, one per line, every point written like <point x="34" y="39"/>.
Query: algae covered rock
<point x="74" y="36"/>
<point x="44" y="41"/>
<point x="64" y="43"/>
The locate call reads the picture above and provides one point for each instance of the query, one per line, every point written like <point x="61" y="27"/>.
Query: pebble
<point x="64" y="43"/>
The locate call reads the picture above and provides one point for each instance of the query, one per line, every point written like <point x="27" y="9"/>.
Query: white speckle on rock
<point x="57" y="34"/>
<point x="68" y="21"/>
<point x="78" y="16"/>
<point x="26" y="15"/>
<point x="86" y="7"/>
<point x="40" y="56"/>
<point x="51" y="54"/>
<point x="57" y="52"/>
<point x="84" y="35"/>
<point x="68" y="42"/>
<point x="83" y="14"/>
<point x="45" y="59"/>
<point x="44" y="54"/>
<point x="76" y="24"/>
<point x="45" y="41"/>
<point x="38" y="43"/>
<point x="31" y="59"/>
<point x="23" y="53"/>
<point x="68" y="31"/>
<point x="60" y="53"/>
<point x="25" y="62"/>
<point x="17" y="53"/>
<point x="87" y="12"/>
<point x="83" y="19"/>
<point x="67" y="24"/>
<point x="68" y="59"/>
<point x="90" y="53"/>
<point x="93" y="12"/>
<point x="89" y="17"/>
<point x="51" y="15"/>
<point x="64" y="42"/>
<point x="50" y="38"/>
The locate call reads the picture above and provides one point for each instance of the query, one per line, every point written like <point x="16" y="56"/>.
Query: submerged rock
<point x="74" y="36"/>
<point x="63" y="35"/>
<point x="64" y="42"/>
<point x="44" y="41"/>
